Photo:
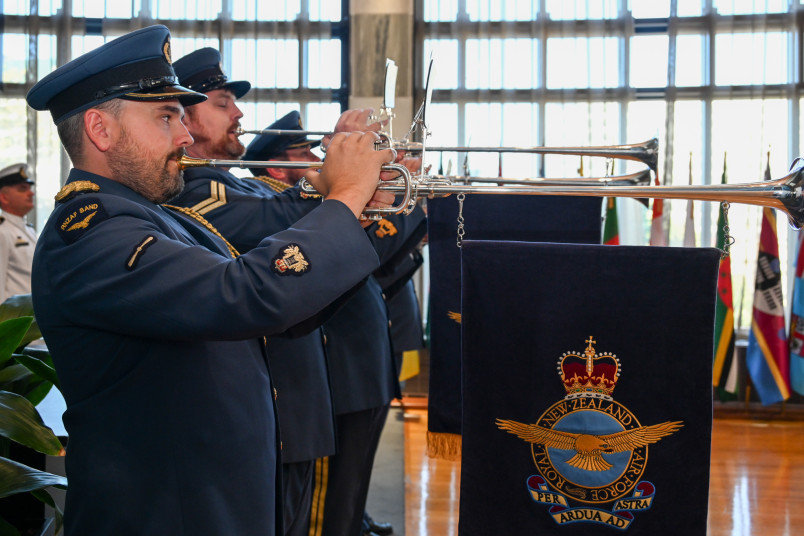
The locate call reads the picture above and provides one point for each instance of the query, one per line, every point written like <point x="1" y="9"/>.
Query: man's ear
<point x="96" y="127"/>
<point x="279" y="174"/>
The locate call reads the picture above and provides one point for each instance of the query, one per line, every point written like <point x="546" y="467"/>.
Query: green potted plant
<point x="26" y="376"/>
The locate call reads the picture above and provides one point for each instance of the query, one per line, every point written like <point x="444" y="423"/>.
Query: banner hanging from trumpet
<point x="524" y="218"/>
<point x="587" y="398"/>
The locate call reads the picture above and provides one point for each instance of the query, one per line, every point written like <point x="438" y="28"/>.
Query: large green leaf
<point x="20" y="422"/>
<point x="38" y="367"/>
<point x="18" y="478"/>
<point x="13" y="373"/>
<point x="11" y="334"/>
<point x="40" y="352"/>
<point x="17" y="306"/>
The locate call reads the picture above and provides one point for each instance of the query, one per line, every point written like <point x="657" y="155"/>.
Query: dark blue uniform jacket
<point x="358" y="344"/>
<point x="154" y="329"/>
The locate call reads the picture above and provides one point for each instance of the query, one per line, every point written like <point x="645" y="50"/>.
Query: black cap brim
<point x="186" y="97"/>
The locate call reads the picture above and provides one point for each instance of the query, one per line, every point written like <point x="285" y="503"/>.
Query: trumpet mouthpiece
<point x="188" y="162"/>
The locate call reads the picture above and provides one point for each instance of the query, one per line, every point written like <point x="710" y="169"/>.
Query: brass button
<point x="276" y="394"/>
<point x="389" y="323"/>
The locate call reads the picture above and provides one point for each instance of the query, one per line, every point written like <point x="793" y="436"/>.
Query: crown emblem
<point x="589" y="374"/>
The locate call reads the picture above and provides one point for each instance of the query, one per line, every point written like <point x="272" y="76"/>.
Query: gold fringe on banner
<point x="444" y="446"/>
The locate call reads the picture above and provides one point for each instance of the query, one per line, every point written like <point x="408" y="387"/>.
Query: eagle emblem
<point x="83" y="224"/>
<point x="452" y="315"/>
<point x="589" y="448"/>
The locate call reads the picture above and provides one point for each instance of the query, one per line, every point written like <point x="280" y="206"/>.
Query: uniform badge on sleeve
<point x="139" y="250"/>
<point x="79" y="217"/>
<point x="385" y="228"/>
<point x="291" y="261"/>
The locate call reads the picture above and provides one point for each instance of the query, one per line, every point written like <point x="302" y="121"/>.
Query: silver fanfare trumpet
<point x="785" y="194"/>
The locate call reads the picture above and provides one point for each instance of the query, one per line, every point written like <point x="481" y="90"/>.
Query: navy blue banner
<point x="587" y="396"/>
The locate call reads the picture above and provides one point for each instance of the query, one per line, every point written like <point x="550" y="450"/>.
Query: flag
<point x="576" y="422"/>
<point x="797" y="325"/>
<point x="410" y="365"/>
<point x="657" y="234"/>
<point x="611" y="231"/>
<point x="724" y="369"/>
<point x="689" y="226"/>
<point x="767" y="358"/>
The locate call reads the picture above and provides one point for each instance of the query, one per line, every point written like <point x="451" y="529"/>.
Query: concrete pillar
<point x="382" y="29"/>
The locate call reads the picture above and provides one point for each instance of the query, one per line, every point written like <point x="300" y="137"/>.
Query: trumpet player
<point x="357" y="340"/>
<point x="155" y="330"/>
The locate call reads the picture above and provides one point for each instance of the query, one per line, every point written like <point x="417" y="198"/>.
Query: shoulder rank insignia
<point x="217" y="198"/>
<point x="385" y="228"/>
<point x="74" y="188"/>
<point x="291" y="261"/>
<point x="80" y="217"/>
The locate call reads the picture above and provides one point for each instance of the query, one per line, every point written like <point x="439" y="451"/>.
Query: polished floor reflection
<point x="756" y="486"/>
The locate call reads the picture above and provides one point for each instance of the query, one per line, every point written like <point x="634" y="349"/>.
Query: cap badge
<point x="23" y="173"/>
<point x="166" y="50"/>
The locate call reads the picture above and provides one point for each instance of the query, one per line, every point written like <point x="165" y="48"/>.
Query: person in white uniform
<point x="17" y="239"/>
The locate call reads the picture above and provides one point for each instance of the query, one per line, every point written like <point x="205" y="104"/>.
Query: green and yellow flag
<point x="724" y="372"/>
<point x="611" y="231"/>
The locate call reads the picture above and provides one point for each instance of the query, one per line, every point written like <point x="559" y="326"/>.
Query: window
<point x="705" y="77"/>
<point x="292" y="52"/>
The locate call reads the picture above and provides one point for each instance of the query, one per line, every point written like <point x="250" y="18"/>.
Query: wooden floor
<point x="756" y="489"/>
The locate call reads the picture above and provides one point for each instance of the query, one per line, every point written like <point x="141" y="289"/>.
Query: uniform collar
<point x="18" y="221"/>
<point x="108" y="186"/>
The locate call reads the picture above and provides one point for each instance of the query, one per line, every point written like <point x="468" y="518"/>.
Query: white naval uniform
<point x="17" y="243"/>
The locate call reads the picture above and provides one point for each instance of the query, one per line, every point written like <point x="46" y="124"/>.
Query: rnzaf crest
<point x="590" y="451"/>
